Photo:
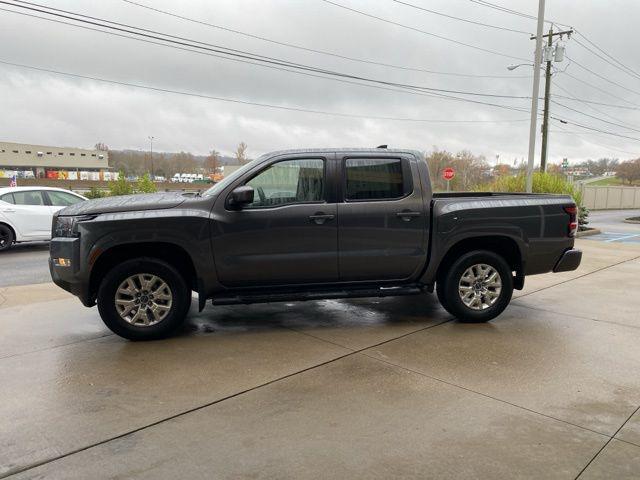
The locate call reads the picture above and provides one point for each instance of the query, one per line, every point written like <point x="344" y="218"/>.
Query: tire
<point x="484" y="298"/>
<point x="6" y="237"/>
<point x="150" y="283"/>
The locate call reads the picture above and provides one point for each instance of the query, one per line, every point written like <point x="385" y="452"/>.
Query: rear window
<point x="374" y="178"/>
<point x="7" y="197"/>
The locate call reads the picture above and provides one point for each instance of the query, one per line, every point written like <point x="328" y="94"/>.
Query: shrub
<point x="542" y="183"/>
<point x="146" y="185"/>
<point x="120" y="186"/>
<point x="94" y="192"/>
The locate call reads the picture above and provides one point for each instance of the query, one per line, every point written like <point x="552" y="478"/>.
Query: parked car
<point x="307" y="225"/>
<point x="26" y="213"/>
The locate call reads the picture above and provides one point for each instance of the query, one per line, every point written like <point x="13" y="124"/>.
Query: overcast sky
<point x="45" y="108"/>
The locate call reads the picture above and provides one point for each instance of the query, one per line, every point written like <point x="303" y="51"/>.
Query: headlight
<point x="68" y="226"/>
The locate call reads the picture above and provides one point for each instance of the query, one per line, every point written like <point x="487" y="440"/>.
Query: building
<point x="42" y="161"/>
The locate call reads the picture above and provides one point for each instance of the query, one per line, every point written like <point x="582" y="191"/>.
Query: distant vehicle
<point x="307" y="225"/>
<point x="26" y="213"/>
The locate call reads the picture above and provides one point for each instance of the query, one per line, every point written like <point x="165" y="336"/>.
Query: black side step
<point x="246" y="298"/>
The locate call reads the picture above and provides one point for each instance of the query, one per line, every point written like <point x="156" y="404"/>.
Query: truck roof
<point x="342" y="150"/>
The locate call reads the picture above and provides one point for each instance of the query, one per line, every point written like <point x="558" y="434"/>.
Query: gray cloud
<point x="58" y="110"/>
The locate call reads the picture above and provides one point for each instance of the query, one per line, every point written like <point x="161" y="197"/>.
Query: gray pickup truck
<point x="307" y="225"/>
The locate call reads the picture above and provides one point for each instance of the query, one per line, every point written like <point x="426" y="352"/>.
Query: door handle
<point x="407" y="215"/>
<point x="9" y="210"/>
<point x="320" y="217"/>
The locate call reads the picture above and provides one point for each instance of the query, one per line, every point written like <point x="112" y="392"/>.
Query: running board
<point x="246" y="298"/>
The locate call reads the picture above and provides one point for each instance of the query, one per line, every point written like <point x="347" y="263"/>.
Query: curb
<point x="588" y="232"/>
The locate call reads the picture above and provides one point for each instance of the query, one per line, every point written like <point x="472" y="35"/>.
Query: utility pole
<point x="534" y="97"/>
<point x="151" y="154"/>
<point x="547" y="94"/>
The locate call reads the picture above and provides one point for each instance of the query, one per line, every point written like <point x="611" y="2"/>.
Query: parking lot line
<point x="622" y="238"/>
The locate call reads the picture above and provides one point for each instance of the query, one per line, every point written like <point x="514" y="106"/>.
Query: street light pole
<point x="151" y="154"/>
<point x="534" y="98"/>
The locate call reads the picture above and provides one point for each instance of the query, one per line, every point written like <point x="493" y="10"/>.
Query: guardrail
<point x="610" y="198"/>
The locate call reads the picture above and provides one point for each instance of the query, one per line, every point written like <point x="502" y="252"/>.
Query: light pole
<point x="534" y="97"/>
<point x="152" y="174"/>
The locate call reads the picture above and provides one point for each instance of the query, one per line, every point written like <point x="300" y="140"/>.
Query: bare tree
<point x="212" y="162"/>
<point x="629" y="171"/>
<point x="241" y="153"/>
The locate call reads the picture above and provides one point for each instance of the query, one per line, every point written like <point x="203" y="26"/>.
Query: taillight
<point x="572" y="210"/>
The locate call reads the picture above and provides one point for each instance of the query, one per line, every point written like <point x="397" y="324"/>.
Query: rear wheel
<point x="477" y="287"/>
<point x="6" y="237"/>
<point x="143" y="299"/>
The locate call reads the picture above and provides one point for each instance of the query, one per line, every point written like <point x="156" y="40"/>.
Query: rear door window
<point x="374" y="179"/>
<point x="32" y="197"/>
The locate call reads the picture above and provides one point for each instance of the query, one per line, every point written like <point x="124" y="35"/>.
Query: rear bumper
<point x="570" y="260"/>
<point x="71" y="278"/>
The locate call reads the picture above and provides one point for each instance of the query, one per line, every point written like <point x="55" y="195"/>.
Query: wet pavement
<point x="367" y="388"/>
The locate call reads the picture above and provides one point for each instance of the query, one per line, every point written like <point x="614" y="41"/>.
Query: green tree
<point x="120" y="186"/>
<point x="146" y="185"/>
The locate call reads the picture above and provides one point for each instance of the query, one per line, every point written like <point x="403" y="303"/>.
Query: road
<point x="25" y="264"/>
<point x="613" y="227"/>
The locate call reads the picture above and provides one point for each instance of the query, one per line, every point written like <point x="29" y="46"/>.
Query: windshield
<point x="218" y="187"/>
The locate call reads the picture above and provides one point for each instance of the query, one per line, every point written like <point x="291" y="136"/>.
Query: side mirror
<point x="241" y="196"/>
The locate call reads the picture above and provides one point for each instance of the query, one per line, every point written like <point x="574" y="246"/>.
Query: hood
<point x="125" y="203"/>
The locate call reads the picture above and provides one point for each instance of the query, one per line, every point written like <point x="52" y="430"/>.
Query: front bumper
<point x="570" y="260"/>
<point x="70" y="278"/>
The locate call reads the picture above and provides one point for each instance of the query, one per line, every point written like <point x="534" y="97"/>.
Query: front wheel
<point x="477" y="287"/>
<point x="143" y="299"/>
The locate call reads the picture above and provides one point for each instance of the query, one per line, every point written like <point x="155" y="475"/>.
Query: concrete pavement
<point x="367" y="388"/>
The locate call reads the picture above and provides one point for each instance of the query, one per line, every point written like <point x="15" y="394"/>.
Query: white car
<point x="26" y="213"/>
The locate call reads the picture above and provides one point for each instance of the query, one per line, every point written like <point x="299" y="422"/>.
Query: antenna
<point x="382" y="146"/>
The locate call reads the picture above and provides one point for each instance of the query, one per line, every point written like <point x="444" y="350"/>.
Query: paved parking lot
<point x="368" y="388"/>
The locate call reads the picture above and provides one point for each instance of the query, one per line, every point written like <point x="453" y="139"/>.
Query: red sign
<point x="448" y="173"/>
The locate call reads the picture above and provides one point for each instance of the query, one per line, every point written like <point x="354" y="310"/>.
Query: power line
<point x="510" y="11"/>
<point x="424" y="32"/>
<point x="182" y="41"/>
<point x="250" y="103"/>
<point x="622" y="69"/>
<point x="312" y="50"/>
<point x="606" y="54"/>
<point x="473" y="22"/>
<point x="586" y="127"/>
<point x="591" y="102"/>
<point x="571" y="97"/>
<point x="602" y="77"/>
<point x="409" y="91"/>
<point x="594" y="117"/>
<point x="595" y="87"/>
<point x="430" y="95"/>
<point x="565" y="132"/>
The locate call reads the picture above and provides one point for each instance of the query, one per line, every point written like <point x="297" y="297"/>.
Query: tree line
<point x="135" y="162"/>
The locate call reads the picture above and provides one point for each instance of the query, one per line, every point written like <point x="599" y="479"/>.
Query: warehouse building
<point x="42" y="161"/>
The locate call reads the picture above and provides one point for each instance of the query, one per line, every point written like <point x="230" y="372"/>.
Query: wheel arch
<point x="501" y="245"/>
<point x="12" y="228"/>
<point x="171" y="253"/>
